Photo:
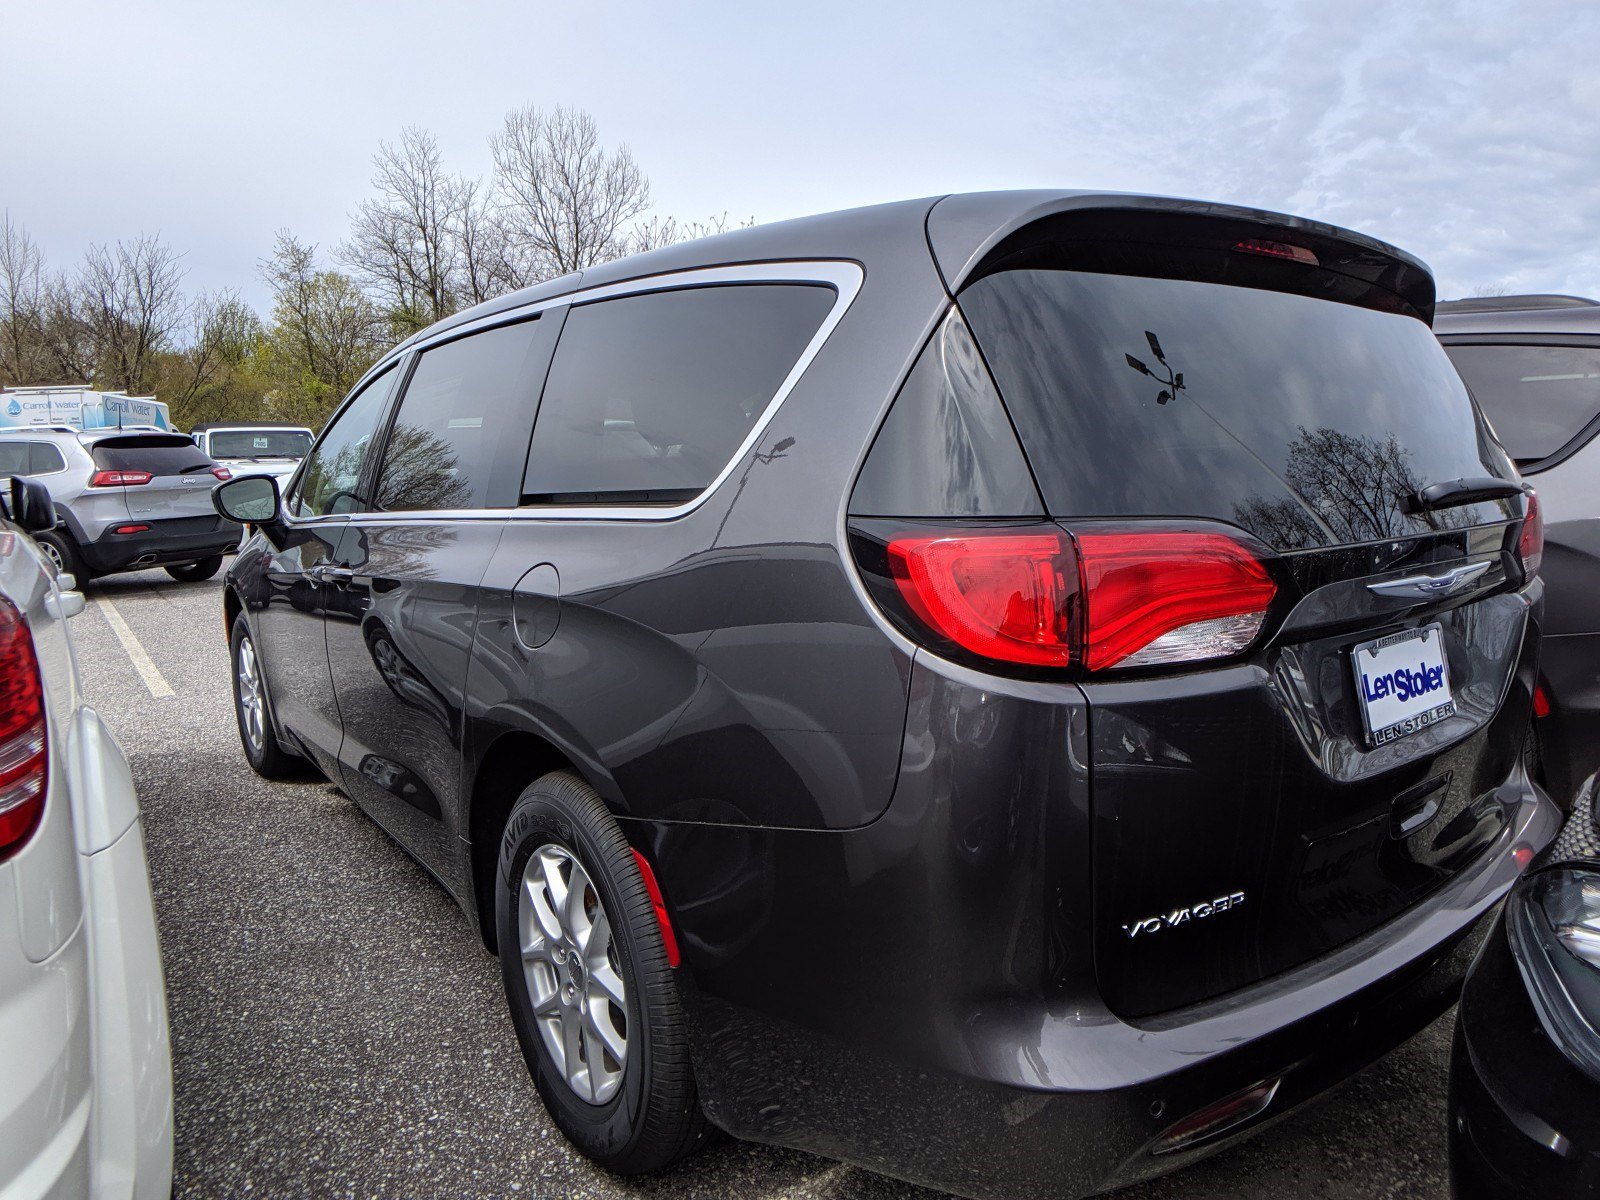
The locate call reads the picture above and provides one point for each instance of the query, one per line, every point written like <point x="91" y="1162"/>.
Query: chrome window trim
<point x="843" y="276"/>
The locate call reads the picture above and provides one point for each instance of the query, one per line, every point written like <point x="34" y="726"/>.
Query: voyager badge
<point x="1194" y="912"/>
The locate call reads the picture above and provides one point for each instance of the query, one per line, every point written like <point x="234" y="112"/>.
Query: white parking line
<point x="142" y="663"/>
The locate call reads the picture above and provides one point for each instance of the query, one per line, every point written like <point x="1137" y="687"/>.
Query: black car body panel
<point x="1525" y="1064"/>
<point x="896" y="872"/>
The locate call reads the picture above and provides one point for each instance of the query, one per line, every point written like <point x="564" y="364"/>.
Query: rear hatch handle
<point x="1453" y="492"/>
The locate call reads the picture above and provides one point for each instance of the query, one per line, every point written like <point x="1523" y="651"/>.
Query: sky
<point x="1467" y="133"/>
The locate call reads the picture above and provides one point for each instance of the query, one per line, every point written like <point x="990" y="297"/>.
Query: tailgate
<point x="165" y="476"/>
<point x="1251" y="815"/>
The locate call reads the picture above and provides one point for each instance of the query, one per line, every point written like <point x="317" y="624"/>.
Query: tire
<point x="652" y="1118"/>
<point x="62" y="552"/>
<point x="196" y="571"/>
<point x="258" y="738"/>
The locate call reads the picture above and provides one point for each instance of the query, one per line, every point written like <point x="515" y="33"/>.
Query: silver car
<point x="127" y="499"/>
<point x="86" y="1067"/>
<point x="255" y="447"/>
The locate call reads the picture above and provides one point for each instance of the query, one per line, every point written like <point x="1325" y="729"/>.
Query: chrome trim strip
<point x="1431" y="587"/>
<point x="843" y="276"/>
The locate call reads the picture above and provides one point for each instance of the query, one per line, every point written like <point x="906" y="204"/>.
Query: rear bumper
<point x="181" y="540"/>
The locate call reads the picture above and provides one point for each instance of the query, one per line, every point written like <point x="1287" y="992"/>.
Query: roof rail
<point x="1529" y="303"/>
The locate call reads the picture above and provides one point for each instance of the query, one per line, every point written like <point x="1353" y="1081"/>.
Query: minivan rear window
<point x="650" y="395"/>
<point x="169" y="454"/>
<point x="1538" y="398"/>
<point x="1305" y="421"/>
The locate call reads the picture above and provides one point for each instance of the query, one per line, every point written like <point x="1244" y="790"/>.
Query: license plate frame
<point x="1388" y="657"/>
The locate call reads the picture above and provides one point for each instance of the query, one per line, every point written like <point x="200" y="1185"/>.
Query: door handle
<point x="333" y="576"/>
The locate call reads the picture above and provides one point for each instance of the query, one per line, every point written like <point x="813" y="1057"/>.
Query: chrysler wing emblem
<point x="1432" y="587"/>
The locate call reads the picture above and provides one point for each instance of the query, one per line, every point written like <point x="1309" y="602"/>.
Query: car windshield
<point x="260" y="443"/>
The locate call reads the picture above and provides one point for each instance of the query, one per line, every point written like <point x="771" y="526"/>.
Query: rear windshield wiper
<point x="196" y="467"/>
<point x="1454" y="492"/>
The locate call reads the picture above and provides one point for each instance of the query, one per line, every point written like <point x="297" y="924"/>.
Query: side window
<point x="43" y="458"/>
<point x="14" y="459"/>
<point x="29" y="458"/>
<point x="333" y="471"/>
<point x="460" y="434"/>
<point x="650" y="395"/>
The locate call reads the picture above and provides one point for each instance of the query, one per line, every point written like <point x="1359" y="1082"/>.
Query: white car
<point x="255" y="447"/>
<point x="85" y="1063"/>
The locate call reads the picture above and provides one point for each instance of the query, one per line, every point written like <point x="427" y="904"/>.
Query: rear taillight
<point x="1096" y="600"/>
<point x="23" y="759"/>
<point x="119" y="478"/>
<point x="1530" y="546"/>
<point x="222" y="473"/>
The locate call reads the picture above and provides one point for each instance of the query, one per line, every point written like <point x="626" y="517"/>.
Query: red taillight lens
<point x="1105" y="599"/>
<point x="23" y="760"/>
<point x="1530" y="546"/>
<point x="119" y="478"/>
<point x="1170" y="596"/>
<point x="222" y="473"/>
<point x="1007" y="596"/>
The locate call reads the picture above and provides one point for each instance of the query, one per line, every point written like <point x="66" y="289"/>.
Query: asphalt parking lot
<point x="338" y="1031"/>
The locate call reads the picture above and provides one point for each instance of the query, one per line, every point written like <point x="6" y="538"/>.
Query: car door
<point x="401" y="630"/>
<point x="290" y="637"/>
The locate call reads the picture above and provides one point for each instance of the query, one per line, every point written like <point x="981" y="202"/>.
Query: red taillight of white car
<point x="24" y="760"/>
<point x="119" y="478"/>
<point x="1096" y="599"/>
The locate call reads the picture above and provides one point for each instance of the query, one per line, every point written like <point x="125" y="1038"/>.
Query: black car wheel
<point x="196" y="571"/>
<point x="592" y="995"/>
<point x="253" y="709"/>
<point x="62" y="552"/>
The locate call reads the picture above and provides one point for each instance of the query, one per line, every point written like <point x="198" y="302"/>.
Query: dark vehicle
<point x="1011" y="690"/>
<point x="1533" y="364"/>
<point x="1525" y="1070"/>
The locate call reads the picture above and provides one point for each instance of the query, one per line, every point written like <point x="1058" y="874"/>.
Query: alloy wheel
<point x="252" y="704"/>
<point x="54" y="555"/>
<point x="569" y="961"/>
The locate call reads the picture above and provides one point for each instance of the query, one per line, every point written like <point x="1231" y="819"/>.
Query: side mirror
<point x="250" y="500"/>
<point x="31" y="505"/>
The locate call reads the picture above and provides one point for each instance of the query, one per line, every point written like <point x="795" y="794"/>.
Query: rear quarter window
<point x="1538" y="398"/>
<point x="160" y="455"/>
<point x="649" y="396"/>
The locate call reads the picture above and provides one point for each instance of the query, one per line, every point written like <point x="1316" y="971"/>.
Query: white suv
<point x="85" y="1066"/>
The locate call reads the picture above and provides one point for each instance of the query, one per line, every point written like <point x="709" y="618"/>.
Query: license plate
<point x="1403" y="683"/>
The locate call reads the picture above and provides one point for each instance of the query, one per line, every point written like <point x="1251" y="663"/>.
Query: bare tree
<point x="656" y="232"/>
<point x="23" y="356"/>
<point x="565" y="201"/>
<point x="405" y="243"/>
<point x="486" y="270"/>
<point x="129" y="301"/>
<point x="223" y="331"/>
<point x="324" y="334"/>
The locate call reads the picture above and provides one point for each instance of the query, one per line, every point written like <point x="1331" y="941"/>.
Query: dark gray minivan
<point x="1012" y="690"/>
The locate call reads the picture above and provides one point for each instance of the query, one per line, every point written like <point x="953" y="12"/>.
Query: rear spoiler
<point x="973" y="235"/>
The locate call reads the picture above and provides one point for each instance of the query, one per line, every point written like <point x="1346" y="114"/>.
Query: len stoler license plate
<point x="1403" y="683"/>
